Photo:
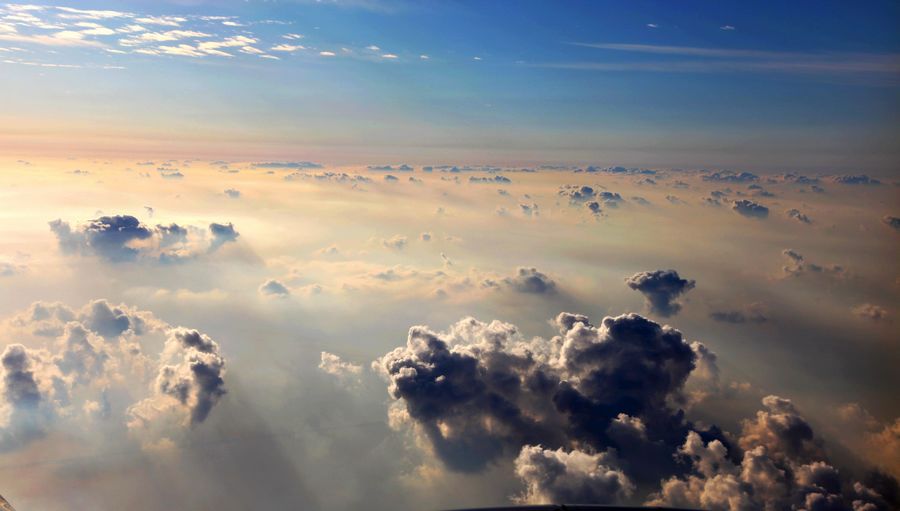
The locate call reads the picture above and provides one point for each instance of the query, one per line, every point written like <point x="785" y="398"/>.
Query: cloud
<point x="782" y="467"/>
<point x="85" y="356"/>
<point x="480" y="392"/>
<point x="798" y="265"/>
<point x="233" y="193"/>
<point x="660" y="288"/>
<point x="859" y="179"/>
<point x="797" y="215"/>
<point x="870" y="312"/>
<point x="750" y="209"/>
<point x="273" y="287"/>
<point x="8" y="269"/>
<point x="221" y="234"/>
<point x="345" y="372"/>
<point x="287" y="47"/>
<point x="705" y="60"/>
<point x="108" y="236"/>
<point x="530" y="280"/>
<point x="124" y="238"/>
<point x="529" y="209"/>
<point x="287" y="165"/>
<point x="498" y="179"/>
<point x="731" y="177"/>
<point x="577" y="194"/>
<point x="552" y="477"/>
<point x="390" y="168"/>
<point x="396" y="242"/>
<point x="189" y="382"/>
<point x="751" y="314"/>
<point x="891" y="221"/>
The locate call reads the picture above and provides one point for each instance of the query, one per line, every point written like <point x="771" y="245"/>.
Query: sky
<point x="267" y="255"/>
<point x="800" y="84"/>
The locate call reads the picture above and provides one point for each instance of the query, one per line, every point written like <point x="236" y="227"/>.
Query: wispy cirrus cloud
<point x="719" y="60"/>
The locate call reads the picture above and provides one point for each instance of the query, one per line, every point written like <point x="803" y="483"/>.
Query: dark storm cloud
<point x="661" y="288"/>
<point x="530" y="280"/>
<point x="750" y="209"/>
<point x="731" y="177"/>
<point x="197" y="383"/>
<point x="481" y="392"/>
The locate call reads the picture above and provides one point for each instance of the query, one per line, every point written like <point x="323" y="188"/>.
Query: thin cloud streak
<point x="739" y="60"/>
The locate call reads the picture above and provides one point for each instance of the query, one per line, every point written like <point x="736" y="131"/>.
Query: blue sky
<point x="681" y="83"/>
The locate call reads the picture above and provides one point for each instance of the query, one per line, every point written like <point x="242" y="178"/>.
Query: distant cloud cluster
<point x="92" y="360"/>
<point x="588" y="416"/>
<point x="798" y="265"/>
<point x="124" y="238"/>
<point x="750" y="209"/>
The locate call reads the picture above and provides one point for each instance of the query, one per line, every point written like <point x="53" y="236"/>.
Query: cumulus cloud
<point x="782" y="467"/>
<point x="870" y="312"/>
<point x="345" y="372"/>
<point x="530" y="280"/>
<point x="111" y="237"/>
<point x="731" y="177"/>
<point x="189" y="381"/>
<point x="750" y="209"/>
<point x="221" y="234"/>
<point x="498" y="179"/>
<point x="859" y="179"/>
<point x="273" y="287"/>
<point x="661" y="288"/>
<point x="798" y="266"/>
<point x="552" y="477"/>
<point x="576" y="194"/>
<point x="481" y="392"/>
<point x="124" y="238"/>
<point x="87" y="354"/>
<point x="529" y="209"/>
<point x="798" y="216"/>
